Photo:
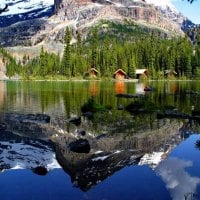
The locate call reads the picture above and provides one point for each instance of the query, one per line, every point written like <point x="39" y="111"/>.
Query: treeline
<point x="107" y="54"/>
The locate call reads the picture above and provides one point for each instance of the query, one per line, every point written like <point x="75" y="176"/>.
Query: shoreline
<point x="98" y="80"/>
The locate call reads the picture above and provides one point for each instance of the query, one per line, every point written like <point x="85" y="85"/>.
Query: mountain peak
<point x="82" y="14"/>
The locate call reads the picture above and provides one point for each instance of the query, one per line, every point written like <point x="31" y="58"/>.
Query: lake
<point x="141" y="145"/>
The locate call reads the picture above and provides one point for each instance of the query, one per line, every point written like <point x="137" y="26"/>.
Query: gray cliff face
<point x="20" y="33"/>
<point x="81" y="14"/>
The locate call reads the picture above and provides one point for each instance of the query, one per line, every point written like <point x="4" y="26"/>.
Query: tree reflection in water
<point x="128" y="136"/>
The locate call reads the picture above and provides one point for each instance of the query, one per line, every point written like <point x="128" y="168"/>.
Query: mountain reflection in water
<point x="131" y="152"/>
<point x="87" y="170"/>
<point x="17" y="152"/>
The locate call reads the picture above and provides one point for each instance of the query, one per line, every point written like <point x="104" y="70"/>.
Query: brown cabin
<point x="93" y="73"/>
<point x="141" y="73"/>
<point x="120" y="74"/>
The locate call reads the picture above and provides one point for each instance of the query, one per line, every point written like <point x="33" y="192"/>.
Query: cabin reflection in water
<point x="171" y="88"/>
<point x="120" y="87"/>
<point x="140" y="88"/>
<point x="2" y="93"/>
<point x="93" y="88"/>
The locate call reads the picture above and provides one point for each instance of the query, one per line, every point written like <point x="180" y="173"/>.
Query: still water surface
<point x="167" y="150"/>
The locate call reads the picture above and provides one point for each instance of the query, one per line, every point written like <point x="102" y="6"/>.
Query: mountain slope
<point x="82" y="14"/>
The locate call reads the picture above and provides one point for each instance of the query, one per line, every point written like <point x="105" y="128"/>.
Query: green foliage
<point x="66" y="60"/>
<point x="110" y="46"/>
<point x="92" y="106"/>
<point x="12" y="66"/>
<point x="131" y="68"/>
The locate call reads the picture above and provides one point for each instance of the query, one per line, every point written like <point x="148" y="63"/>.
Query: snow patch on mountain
<point x="20" y="7"/>
<point x="24" y="156"/>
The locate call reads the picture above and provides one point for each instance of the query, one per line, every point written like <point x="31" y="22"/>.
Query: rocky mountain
<point x="82" y="14"/>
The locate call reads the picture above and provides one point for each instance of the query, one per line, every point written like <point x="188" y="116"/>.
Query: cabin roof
<point x="93" y="69"/>
<point x="140" y="71"/>
<point x="170" y="71"/>
<point x="120" y="70"/>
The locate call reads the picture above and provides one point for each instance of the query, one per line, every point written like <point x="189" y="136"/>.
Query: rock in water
<point x="79" y="146"/>
<point x="81" y="132"/>
<point x="42" y="171"/>
<point x="3" y="126"/>
<point x="75" y="120"/>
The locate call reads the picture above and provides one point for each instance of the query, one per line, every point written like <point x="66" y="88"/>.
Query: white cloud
<point x="162" y="3"/>
<point x="178" y="181"/>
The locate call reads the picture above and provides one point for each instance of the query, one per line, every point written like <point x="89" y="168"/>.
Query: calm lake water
<point x="144" y="145"/>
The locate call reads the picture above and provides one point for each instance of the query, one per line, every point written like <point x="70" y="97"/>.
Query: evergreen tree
<point x="43" y="63"/>
<point x="132" y="68"/>
<point x="79" y="43"/>
<point x="65" y="64"/>
<point x="94" y="52"/>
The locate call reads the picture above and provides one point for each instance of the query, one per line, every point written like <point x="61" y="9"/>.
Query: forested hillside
<point x="111" y="46"/>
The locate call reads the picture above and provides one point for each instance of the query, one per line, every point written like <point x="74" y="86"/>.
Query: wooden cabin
<point x="141" y="73"/>
<point x="93" y="73"/>
<point x="120" y="74"/>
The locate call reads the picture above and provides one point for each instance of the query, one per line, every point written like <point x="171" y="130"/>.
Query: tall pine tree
<point x="66" y="60"/>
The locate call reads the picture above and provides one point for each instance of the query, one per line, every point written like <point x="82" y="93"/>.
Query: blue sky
<point x="192" y="11"/>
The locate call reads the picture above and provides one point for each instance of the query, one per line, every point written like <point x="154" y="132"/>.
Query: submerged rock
<point x="195" y="113"/>
<point x="172" y="114"/>
<point x="81" y="132"/>
<point x="129" y="95"/>
<point x="40" y="170"/>
<point x="135" y="107"/>
<point x="79" y="146"/>
<point x="31" y="125"/>
<point x="75" y="120"/>
<point x="3" y="126"/>
<point x="23" y="118"/>
<point x="88" y="114"/>
<point x="148" y="88"/>
<point x="120" y="107"/>
<point x="101" y="136"/>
